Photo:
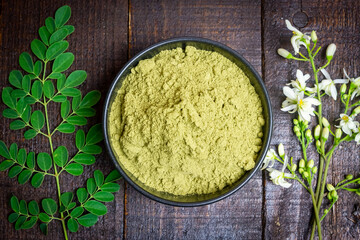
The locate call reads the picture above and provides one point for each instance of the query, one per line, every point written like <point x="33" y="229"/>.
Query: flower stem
<point x="316" y="212"/>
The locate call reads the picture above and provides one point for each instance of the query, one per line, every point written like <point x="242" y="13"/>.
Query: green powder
<point x="186" y="122"/>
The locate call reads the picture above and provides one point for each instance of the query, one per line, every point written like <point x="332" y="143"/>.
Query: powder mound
<point x="187" y="122"/>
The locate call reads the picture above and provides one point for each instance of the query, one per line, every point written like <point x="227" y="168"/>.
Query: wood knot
<point x="300" y="19"/>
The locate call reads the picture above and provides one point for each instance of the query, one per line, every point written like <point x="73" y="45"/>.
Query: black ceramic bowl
<point x="256" y="81"/>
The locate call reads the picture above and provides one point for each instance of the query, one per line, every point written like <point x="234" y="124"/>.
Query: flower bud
<point x="293" y="167"/>
<point x="338" y="133"/>
<point x="281" y="150"/>
<point x="302" y="163"/>
<point x="343" y="88"/>
<point x="326" y="211"/>
<point x="318" y="144"/>
<point x="310" y="163"/>
<point x="325" y="134"/>
<point x="306" y="174"/>
<point x="317" y="132"/>
<point x="330" y="187"/>
<point x="329" y="196"/>
<point x="330" y="51"/>
<point x="308" y="134"/>
<point x="295" y="121"/>
<point x="325" y="122"/>
<point x="313" y="36"/>
<point x="334" y="194"/>
<point x="301" y="170"/>
<point x="356" y="110"/>
<point x="345" y="96"/>
<point x="349" y="177"/>
<point x="284" y="53"/>
<point x="306" y="124"/>
<point x="314" y="170"/>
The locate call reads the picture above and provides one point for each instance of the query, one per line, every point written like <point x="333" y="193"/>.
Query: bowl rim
<point x="107" y="104"/>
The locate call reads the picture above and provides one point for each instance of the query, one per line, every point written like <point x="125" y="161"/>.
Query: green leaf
<point x="85" y="112"/>
<point x="49" y="89"/>
<point x="4" y="150"/>
<point x="26" y="83"/>
<point x="60" y="83"/>
<point x="90" y="99"/>
<point x="44" y="161"/>
<point x="113" y="176"/>
<point x="69" y="28"/>
<point x="14" y="203"/>
<point x="23" y="207"/>
<point x="59" y="98"/>
<point x="5" y="165"/>
<point x="29" y="223"/>
<point x="26" y="114"/>
<point x="94" y="135"/>
<point x="7" y="98"/>
<point x="18" y="93"/>
<point x="76" y="102"/>
<point x="65" y="109"/>
<point x="56" y="49"/>
<point x="44" y="35"/>
<point x="63" y="62"/>
<point x="95" y="207"/>
<point x="24" y="176"/>
<point x="37" y="119"/>
<point x="30" y="160"/>
<point x="20" y="222"/>
<point x="21" y="157"/>
<point x="110" y="187"/>
<point x="61" y="156"/>
<point x="77" y="120"/>
<point x="10" y="113"/>
<point x="15" y="78"/>
<point x="88" y="220"/>
<point x="50" y="25"/>
<point x="77" y="212"/>
<point x="13" y="151"/>
<point x="14" y="171"/>
<point x="44" y="217"/>
<point x="56" y="75"/>
<point x="49" y="205"/>
<point x="30" y="100"/>
<point x="99" y="178"/>
<point x="26" y="62"/>
<point x="81" y="194"/>
<point x="38" y="48"/>
<point x="75" y="78"/>
<point x="71" y="205"/>
<point x="66" y="198"/>
<point x="20" y="106"/>
<point x="72" y="225"/>
<point x="104" y="196"/>
<point x="71" y="92"/>
<point x="62" y="15"/>
<point x="37" y="180"/>
<point x="85" y="159"/>
<point x="34" y="208"/>
<point x="92" y="149"/>
<point x="66" y="128"/>
<point x="80" y="139"/>
<point x="13" y="217"/>
<point x="58" y="35"/>
<point x="29" y="134"/>
<point x="36" y="89"/>
<point x="38" y="68"/>
<point x="17" y="124"/>
<point x="91" y="185"/>
<point x="75" y="169"/>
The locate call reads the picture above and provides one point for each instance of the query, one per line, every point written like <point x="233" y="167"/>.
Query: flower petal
<point x="326" y="74"/>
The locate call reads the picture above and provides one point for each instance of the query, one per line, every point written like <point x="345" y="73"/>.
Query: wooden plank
<point x="99" y="44"/>
<point x="238" y="25"/>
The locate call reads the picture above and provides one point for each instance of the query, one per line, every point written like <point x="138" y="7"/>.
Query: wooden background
<point x="109" y="32"/>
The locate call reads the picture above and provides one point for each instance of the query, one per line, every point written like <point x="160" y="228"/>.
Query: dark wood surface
<point x="109" y="32"/>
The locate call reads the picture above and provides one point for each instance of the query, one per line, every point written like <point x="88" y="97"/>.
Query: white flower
<point x="278" y="177"/>
<point x="357" y="138"/>
<point x="328" y="85"/>
<point x="296" y="102"/>
<point x="347" y="124"/>
<point x="298" y="36"/>
<point x="356" y="82"/>
<point x="300" y="83"/>
<point x="330" y="51"/>
<point x="269" y="159"/>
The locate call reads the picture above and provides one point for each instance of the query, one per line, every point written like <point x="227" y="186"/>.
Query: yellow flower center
<point x="345" y="118"/>
<point x="301" y="103"/>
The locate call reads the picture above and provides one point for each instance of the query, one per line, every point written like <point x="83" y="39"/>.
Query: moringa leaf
<point x="14" y="203"/>
<point x="13" y="217"/>
<point x="77" y="212"/>
<point x="76" y="102"/>
<point x="38" y="48"/>
<point x="24" y="176"/>
<point x="37" y="180"/>
<point x="69" y="28"/>
<point x="61" y="156"/>
<point x="15" y="78"/>
<point x="38" y="68"/>
<point x="104" y="196"/>
<point x="85" y="112"/>
<point x="14" y="171"/>
<point x="26" y="114"/>
<point x="55" y="75"/>
<point x="65" y="109"/>
<point x="21" y="156"/>
<point x="56" y="49"/>
<point x="80" y="139"/>
<point x="29" y="134"/>
<point x="95" y="207"/>
<point x="94" y="135"/>
<point x="62" y="15"/>
<point x="49" y="205"/>
<point x="91" y="186"/>
<point x="92" y="149"/>
<point x="13" y="151"/>
<point x="99" y="178"/>
<point x="17" y="124"/>
<point x="21" y="106"/>
<point x="29" y="100"/>
<point x="72" y="225"/>
<point x="82" y="195"/>
<point x="44" y="228"/>
<point x="90" y="99"/>
<point x="5" y="165"/>
<point x="49" y="89"/>
<point x="7" y="98"/>
<point x="34" y="208"/>
<point x="58" y="35"/>
<point x="44" y="217"/>
<point x="113" y="176"/>
<point x="36" y="89"/>
<point x="110" y="187"/>
<point x="4" y="151"/>
<point x="59" y="98"/>
<point x="26" y="83"/>
<point x="75" y="78"/>
<point x="37" y="120"/>
<point x="66" y="198"/>
<point x="85" y="159"/>
<point x="18" y="93"/>
<point x="63" y="62"/>
<point x="44" y="161"/>
<point x="30" y="160"/>
<point x="77" y="120"/>
<point x="20" y="222"/>
<point x="26" y="62"/>
<point x="88" y="220"/>
<point x="50" y="25"/>
<point x="10" y="113"/>
<point x="44" y="35"/>
<point x="66" y="128"/>
<point x="29" y="223"/>
<point x="71" y="92"/>
<point x="74" y="169"/>
<point x="23" y="207"/>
